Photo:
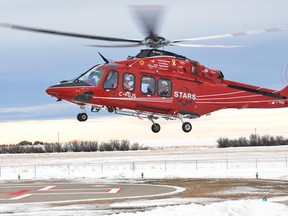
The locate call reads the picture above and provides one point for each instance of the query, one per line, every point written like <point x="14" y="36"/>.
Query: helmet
<point x="127" y="78"/>
<point x="164" y="83"/>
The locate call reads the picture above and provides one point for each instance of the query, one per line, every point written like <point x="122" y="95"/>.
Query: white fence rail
<point x="152" y="168"/>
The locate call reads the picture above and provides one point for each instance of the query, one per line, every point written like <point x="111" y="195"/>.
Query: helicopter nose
<point x="52" y="91"/>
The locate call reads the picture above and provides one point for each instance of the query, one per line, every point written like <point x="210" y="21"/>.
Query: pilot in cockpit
<point x="128" y="83"/>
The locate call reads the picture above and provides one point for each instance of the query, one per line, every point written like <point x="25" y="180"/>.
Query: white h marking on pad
<point x="46" y="188"/>
<point x="21" y="197"/>
<point x="115" y="190"/>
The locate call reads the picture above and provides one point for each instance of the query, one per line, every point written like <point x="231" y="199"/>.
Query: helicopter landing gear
<point x="110" y="109"/>
<point x="186" y="126"/>
<point x="82" y="116"/>
<point x="155" y="128"/>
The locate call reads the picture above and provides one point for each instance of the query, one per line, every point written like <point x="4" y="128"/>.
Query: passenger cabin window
<point x="128" y="82"/>
<point x="111" y="81"/>
<point x="92" y="77"/>
<point x="164" y="88"/>
<point x="148" y="85"/>
<point x="194" y="69"/>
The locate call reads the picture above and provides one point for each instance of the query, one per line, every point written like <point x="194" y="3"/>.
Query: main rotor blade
<point x="236" y="34"/>
<point x="115" y="46"/>
<point x="204" y="45"/>
<point x="69" y="34"/>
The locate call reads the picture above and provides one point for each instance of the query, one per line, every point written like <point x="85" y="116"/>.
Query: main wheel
<point x="110" y="109"/>
<point x="186" y="127"/>
<point x="82" y="117"/>
<point x="155" y="128"/>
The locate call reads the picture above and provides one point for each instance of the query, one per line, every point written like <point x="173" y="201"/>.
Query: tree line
<point x="72" y="146"/>
<point x="253" y="140"/>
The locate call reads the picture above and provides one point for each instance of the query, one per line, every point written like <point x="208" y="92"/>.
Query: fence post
<point x="68" y="167"/>
<point x="196" y="165"/>
<point x="35" y="170"/>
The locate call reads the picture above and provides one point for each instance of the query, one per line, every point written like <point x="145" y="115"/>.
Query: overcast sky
<point x="31" y="62"/>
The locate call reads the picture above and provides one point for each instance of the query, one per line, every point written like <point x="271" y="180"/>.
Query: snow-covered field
<point x="269" y="162"/>
<point x="169" y="208"/>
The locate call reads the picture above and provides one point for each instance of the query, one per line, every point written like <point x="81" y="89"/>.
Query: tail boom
<point x="238" y="95"/>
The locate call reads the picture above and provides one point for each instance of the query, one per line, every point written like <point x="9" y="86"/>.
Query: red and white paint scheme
<point x="162" y="84"/>
<point x="159" y="84"/>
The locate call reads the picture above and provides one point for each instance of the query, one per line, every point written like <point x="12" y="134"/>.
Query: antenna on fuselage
<point x="104" y="59"/>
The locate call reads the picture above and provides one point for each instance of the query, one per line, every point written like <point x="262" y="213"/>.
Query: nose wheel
<point x="82" y="116"/>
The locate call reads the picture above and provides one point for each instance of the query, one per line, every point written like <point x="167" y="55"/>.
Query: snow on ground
<point x="225" y="208"/>
<point x="229" y="208"/>
<point x="270" y="162"/>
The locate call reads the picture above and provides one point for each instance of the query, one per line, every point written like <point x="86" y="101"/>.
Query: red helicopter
<point x="159" y="84"/>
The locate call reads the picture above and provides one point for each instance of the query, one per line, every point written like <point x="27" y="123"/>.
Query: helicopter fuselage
<point x="162" y="84"/>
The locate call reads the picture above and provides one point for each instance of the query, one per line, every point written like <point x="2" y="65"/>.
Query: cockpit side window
<point x="128" y="82"/>
<point x="148" y="85"/>
<point x="92" y="77"/>
<point x="111" y="81"/>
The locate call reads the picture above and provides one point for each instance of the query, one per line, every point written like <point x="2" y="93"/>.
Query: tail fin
<point x="284" y="92"/>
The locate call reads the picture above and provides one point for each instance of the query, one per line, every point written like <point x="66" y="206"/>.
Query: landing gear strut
<point x="155" y="126"/>
<point x="186" y="126"/>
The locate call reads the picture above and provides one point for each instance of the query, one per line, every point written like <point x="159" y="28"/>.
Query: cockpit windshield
<point x="93" y="76"/>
